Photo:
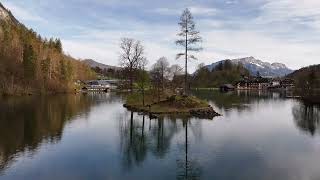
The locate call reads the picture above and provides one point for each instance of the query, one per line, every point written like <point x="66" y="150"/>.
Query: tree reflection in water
<point x="307" y="117"/>
<point x="136" y="142"/>
<point x="28" y="122"/>
<point x="187" y="168"/>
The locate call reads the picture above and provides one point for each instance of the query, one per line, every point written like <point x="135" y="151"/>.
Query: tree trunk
<point x="186" y="59"/>
<point x="131" y="79"/>
<point x="158" y="93"/>
<point x="143" y="96"/>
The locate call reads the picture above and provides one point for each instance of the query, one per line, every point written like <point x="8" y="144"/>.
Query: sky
<point x="285" y="31"/>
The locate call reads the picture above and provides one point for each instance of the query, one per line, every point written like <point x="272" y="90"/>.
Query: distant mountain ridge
<point x="305" y="71"/>
<point x="92" y="63"/>
<point x="254" y="66"/>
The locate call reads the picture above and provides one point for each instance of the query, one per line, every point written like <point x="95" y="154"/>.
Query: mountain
<point x="94" y="64"/>
<point x="254" y="66"/>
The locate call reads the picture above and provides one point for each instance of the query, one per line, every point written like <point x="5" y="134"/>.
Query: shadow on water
<point x="27" y="122"/>
<point x="140" y="136"/>
<point x="239" y="100"/>
<point x="307" y="117"/>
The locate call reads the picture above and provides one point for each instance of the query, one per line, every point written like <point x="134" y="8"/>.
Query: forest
<point x="224" y="73"/>
<point x="31" y="64"/>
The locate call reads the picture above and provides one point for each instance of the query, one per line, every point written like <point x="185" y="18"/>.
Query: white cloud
<point x="299" y="12"/>
<point x="196" y="10"/>
<point x="271" y="33"/>
<point x="260" y="45"/>
<point x="23" y="14"/>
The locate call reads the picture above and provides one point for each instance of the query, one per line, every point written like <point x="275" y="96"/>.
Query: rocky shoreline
<point x="203" y="113"/>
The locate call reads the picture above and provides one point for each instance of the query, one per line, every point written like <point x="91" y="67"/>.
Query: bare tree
<point x="132" y="54"/>
<point x="175" y="70"/>
<point x="163" y="65"/>
<point x="176" y="73"/>
<point x="143" y="78"/>
<point x="156" y="78"/>
<point x="189" y="38"/>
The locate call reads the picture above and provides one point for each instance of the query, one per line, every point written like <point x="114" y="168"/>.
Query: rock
<point x="152" y="116"/>
<point x="205" y="113"/>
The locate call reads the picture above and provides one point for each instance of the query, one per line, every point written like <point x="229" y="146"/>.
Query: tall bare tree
<point x="132" y="55"/>
<point x="189" y="39"/>
<point x="163" y="65"/>
<point x="143" y="78"/>
<point x="175" y="70"/>
<point x="155" y="75"/>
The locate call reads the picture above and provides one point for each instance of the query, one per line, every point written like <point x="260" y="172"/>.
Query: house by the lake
<point x="100" y="85"/>
<point x="265" y="83"/>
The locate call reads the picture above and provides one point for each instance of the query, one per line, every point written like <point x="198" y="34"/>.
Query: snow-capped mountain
<point x="255" y="66"/>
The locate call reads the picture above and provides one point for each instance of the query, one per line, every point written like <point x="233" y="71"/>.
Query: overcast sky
<point x="286" y="31"/>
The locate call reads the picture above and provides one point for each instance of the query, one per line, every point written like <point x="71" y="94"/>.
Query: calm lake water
<point x="260" y="136"/>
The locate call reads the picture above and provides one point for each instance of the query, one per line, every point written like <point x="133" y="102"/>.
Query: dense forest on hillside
<point x="307" y="77"/>
<point x="32" y="64"/>
<point x="307" y="82"/>
<point x="224" y="73"/>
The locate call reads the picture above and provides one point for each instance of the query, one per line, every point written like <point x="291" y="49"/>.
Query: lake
<point x="261" y="135"/>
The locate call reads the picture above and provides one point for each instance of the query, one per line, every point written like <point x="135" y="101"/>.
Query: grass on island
<point x="168" y="103"/>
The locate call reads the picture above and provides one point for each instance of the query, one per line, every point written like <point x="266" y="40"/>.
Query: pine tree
<point x="189" y="38"/>
<point x="29" y="58"/>
<point x="58" y="45"/>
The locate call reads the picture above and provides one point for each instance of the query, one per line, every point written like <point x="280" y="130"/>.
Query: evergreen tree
<point x="29" y="58"/>
<point x="58" y="45"/>
<point x="189" y="38"/>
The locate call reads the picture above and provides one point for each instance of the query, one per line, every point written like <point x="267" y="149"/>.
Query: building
<point x="265" y="83"/>
<point x="254" y="83"/>
<point x="227" y="87"/>
<point x="97" y="85"/>
<point x="287" y="83"/>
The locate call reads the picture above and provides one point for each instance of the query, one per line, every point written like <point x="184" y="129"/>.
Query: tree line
<point x="157" y="80"/>
<point x="162" y="77"/>
<point x="32" y="64"/>
<point x="224" y="73"/>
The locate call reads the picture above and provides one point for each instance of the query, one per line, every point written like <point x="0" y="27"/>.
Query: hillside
<point x="32" y="64"/>
<point x="307" y="76"/>
<point x="254" y="66"/>
<point x="225" y="72"/>
<point x="306" y="70"/>
<point x="93" y="64"/>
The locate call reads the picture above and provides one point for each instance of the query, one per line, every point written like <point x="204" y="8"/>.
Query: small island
<point x="171" y="105"/>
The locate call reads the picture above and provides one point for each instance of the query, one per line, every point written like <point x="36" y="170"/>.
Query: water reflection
<point x="307" y="117"/>
<point x="96" y="138"/>
<point x="26" y="122"/>
<point x="239" y="100"/>
<point x="187" y="168"/>
<point x="140" y="136"/>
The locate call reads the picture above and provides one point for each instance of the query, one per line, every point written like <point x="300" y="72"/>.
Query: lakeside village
<point x="260" y="83"/>
<point x="247" y="83"/>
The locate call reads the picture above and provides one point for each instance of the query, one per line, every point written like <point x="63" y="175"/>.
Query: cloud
<point x="272" y="30"/>
<point x="23" y="14"/>
<point x="196" y="10"/>
<point x="232" y="37"/>
<point x="295" y="12"/>
<point x="232" y="2"/>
